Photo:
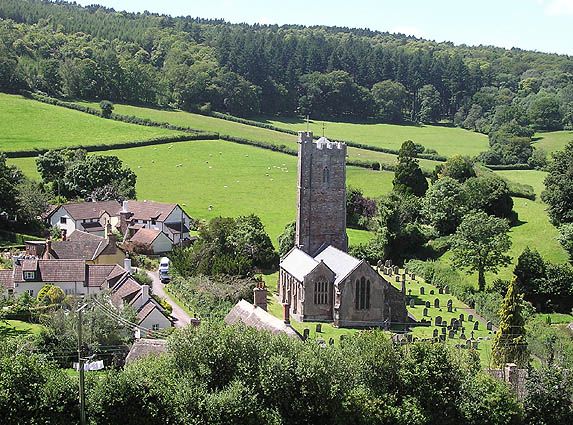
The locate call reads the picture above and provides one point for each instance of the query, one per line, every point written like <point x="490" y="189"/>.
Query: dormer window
<point x="29" y="275"/>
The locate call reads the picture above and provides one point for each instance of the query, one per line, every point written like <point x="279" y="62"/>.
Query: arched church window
<point x="362" y="294"/>
<point x="325" y="175"/>
<point x="321" y="292"/>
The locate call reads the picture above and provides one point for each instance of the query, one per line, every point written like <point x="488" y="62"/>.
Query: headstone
<point x="305" y="334"/>
<point x="428" y="305"/>
<point x="468" y="343"/>
<point x="440" y="291"/>
<point x="412" y="302"/>
<point x="422" y="290"/>
<point x="425" y="312"/>
<point x="438" y="320"/>
<point x="409" y="337"/>
<point x="404" y="277"/>
<point x="450" y="310"/>
<point x="463" y="336"/>
<point x="318" y="328"/>
<point x="390" y="271"/>
<point x="489" y="325"/>
<point x="413" y="276"/>
<point x="451" y="334"/>
<point x="385" y="271"/>
<point x="406" y="270"/>
<point x="436" y="303"/>
<point x="472" y="335"/>
<point x="457" y="324"/>
<point x="435" y="333"/>
<point x="396" y="270"/>
<point x="446" y="289"/>
<point x="476" y="326"/>
<point x="331" y="341"/>
<point x="388" y="263"/>
<point x="443" y="337"/>
<point x="443" y="331"/>
<point x="409" y="292"/>
<point x="452" y="320"/>
<point x="397" y="278"/>
<point x="470" y="317"/>
<point x="461" y="317"/>
<point x="475" y="345"/>
<point x="450" y="302"/>
<point x="432" y="292"/>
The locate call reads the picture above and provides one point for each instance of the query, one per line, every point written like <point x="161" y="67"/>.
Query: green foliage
<point x="510" y="344"/>
<point x="490" y="194"/>
<point x="550" y="344"/>
<point x="444" y="205"/>
<point x="548" y="397"/>
<point x="360" y="210"/>
<point x="558" y="192"/>
<point x="286" y="239"/>
<point x="429" y="104"/>
<point x="390" y="98"/>
<point x="50" y="295"/>
<point x="566" y="238"/>
<point x="544" y="112"/>
<point x="142" y="278"/>
<point x="457" y="167"/>
<point x="408" y="176"/>
<point x="480" y="244"/>
<point x="106" y="108"/>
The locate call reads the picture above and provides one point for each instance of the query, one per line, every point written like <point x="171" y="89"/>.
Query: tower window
<point x="362" y="295"/>
<point x="321" y="292"/>
<point x="325" y="175"/>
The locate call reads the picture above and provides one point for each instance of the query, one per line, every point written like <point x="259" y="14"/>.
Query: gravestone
<point x="476" y="326"/>
<point x="443" y="337"/>
<point x="431" y="292"/>
<point x="438" y="320"/>
<point x="305" y="334"/>
<point x="452" y="320"/>
<point x="446" y="289"/>
<point x="436" y="303"/>
<point x="475" y="345"/>
<point x="413" y="276"/>
<point x="412" y="302"/>
<point x="422" y="290"/>
<point x="331" y="341"/>
<point x="396" y="270"/>
<point x="468" y="343"/>
<point x="435" y="333"/>
<point x="451" y="334"/>
<point x="450" y="302"/>
<point x="397" y="278"/>
<point x="425" y="312"/>
<point x="450" y="310"/>
<point x="390" y="271"/>
<point x="440" y="291"/>
<point x="463" y="336"/>
<point x="409" y="337"/>
<point x="489" y="325"/>
<point x="318" y="328"/>
<point x="443" y="331"/>
<point x="472" y="335"/>
<point x="427" y="304"/>
<point x="385" y="271"/>
<point x="388" y="263"/>
<point x="470" y="318"/>
<point x="461" y="317"/>
<point x="404" y="277"/>
<point x="457" y="324"/>
<point x="409" y="292"/>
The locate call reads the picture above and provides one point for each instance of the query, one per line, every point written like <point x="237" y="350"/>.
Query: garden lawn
<point x="28" y="124"/>
<point x="447" y="141"/>
<point x="553" y="141"/>
<point x="217" y="178"/>
<point x="534" y="178"/>
<point x="10" y="328"/>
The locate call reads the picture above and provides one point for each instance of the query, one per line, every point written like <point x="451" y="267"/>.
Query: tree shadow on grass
<point x="8" y="331"/>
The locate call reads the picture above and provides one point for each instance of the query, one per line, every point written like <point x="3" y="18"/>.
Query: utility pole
<point x="81" y="367"/>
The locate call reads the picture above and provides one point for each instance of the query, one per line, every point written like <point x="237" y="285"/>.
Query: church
<point x="318" y="279"/>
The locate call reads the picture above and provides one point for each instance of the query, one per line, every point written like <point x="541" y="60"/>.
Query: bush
<point x="142" y="278"/>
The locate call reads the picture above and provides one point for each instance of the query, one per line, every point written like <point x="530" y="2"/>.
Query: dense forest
<point x="93" y="52"/>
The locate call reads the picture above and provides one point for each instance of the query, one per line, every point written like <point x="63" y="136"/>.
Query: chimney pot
<point x="127" y="265"/>
<point x="144" y="293"/>
<point x="260" y="296"/>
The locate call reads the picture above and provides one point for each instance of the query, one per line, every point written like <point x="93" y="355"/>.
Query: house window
<point x="321" y="292"/>
<point x="362" y="296"/>
<point x="153" y="222"/>
<point x="29" y="275"/>
<point x="63" y="220"/>
<point x="325" y="175"/>
<point x="155" y="327"/>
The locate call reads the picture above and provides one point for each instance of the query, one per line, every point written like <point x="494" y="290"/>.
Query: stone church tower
<point x="321" y="204"/>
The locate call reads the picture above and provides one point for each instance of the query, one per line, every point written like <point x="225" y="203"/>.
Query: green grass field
<point x="28" y="124"/>
<point x="447" y="141"/>
<point x="11" y="328"/>
<point x="230" y="178"/>
<point x="534" y="178"/>
<point x="554" y="140"/>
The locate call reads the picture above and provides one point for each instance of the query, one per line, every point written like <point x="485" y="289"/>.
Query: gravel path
<point x="182" y="318"/>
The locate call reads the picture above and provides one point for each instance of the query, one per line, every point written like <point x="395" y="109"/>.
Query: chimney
<point x="127" y="265"/>
<point x="124" y="207"/>
<point x="144" y="293"/>
<point x="109" y="235"/>
<point x="48" y="250"/>
<point x="260" y="296"/>
<point x="286" y="313"/>
<point x="64" y="234"/>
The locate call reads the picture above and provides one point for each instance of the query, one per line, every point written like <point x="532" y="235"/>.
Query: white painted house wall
<point x="161" y="244"/>
<point x="175" y="217"/>
<point x="69" y="288"/>
<point x="55" y="220"/>
<point x="155" y="318"/>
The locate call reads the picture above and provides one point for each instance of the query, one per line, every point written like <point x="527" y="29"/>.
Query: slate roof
<point x="87" y="210"/>
<point x="249" y="315"/>
<point x="338" y="261"/>
<point x="298" y="263"/>
<point x="145" y="347"/>
<point x="145" y="310"/>
<point x="99" y="273"/>
<point x="145" y="236"/>
<point x="6" y="279"/>
<point x="149" y="210"/>
<point x="125" y="289"/>
<point x="83" y="246"/>
<point x="94" y="226"/>
<point x="53" y="270"/>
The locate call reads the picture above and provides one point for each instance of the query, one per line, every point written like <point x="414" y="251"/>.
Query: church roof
<point x="338" y="261"/>
<point x="298" y="264"/>
<point x="255" y="317"/>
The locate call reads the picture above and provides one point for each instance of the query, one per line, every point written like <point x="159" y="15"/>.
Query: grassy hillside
<point x="447" y="141"/>
<point x="233" y="179"/>
<point x="554" y="140"/>
<point x="27" y="124"/>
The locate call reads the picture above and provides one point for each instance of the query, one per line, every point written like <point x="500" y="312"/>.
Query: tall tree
<point x="444" y="205"/>
<point x="480" y="243"/>
<point x="558" y="192"/>
<point x="509" y="343"/>
<point x="408" y="177"/>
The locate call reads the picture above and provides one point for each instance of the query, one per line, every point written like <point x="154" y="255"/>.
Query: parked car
<point x="164" y="270"/>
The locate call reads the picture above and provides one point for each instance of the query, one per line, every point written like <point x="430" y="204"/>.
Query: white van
<point x="164" y="270"/>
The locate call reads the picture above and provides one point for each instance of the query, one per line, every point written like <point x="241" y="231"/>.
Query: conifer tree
<point x="509" y="344"/>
